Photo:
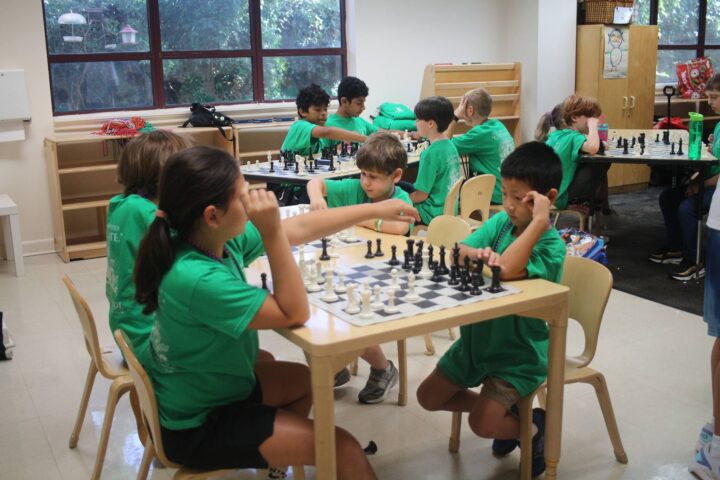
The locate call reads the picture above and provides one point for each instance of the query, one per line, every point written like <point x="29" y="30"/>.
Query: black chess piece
<point x="420" y="244"/>
<point x="453" y="276"/>
<point x="632" y="145"/>
<point x="315" y="166"/>
<point x="263" y="279"/>
<point x="406" y="263"/>
<point x="324" y="255"/>
<point x="311" y="169"/>
<point x="625" y="147"/>
<point x="657" y="138"/>
<point x="456" y="255"/>
<point x="417" y="264"/>
<point x="464" y="281"/>
<point x="437" y="276"/>
<point x="431" y="260"/>
<point x="297" y="166"/>
<point x="641" y="138"/>
<point x="478" y="272"/>
<point x="601" y="150"/>
<point x="495" y="285"/>
<point x="680" y="150"/>
<point x="411" y="246"/>
<point x="619" y="143"/>
<point x="475" y="289"/>
<point x="672" y="148"/>
<point x="393" y="260"/>
<point x="666" y="137"/>
<point x="642" y="149"/>
<point x="378" y="250"/>
<point x="331" y="168"/>
<point x="442" y="266"/>
<point x="369" y="253"/>
<point x="285" y="164"/>
<point x="272" y="167"/>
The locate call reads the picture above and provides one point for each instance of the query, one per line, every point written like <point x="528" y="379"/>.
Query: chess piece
<point x="632" y="145"/>
<point x="619" y="143"/>
<point x="420" y="245"/>
<point x="331" y="168"/>
<point x="394" y="279"/>
<point x="272" y="167"/>
<point x="352" y="306"/>
<point x="377" y="303"/>
<point x="411" y="246"/>
<point x="393" y="261"/>
<point x="475" y="289"/>
<point x="642" y="149"/>
<point x="341" y="287"/>
<point x="319" y="276"/>
<point x="263" y="279"/>
<point x="456" y="255"/>
<point x="442" y="267"/>
<point x="411" y="296"/>
<point x="479" y="271"/>
<point x="453" y="276"/>
<point x="425" y="271"/>
<point x="680" y="150"/>
<point x="495" y="285"/>
<point x="378" y="250"/>
<point x="369" y="253"/>
<point x="324" y="255"/>
<point x="436" y="276"/>
<point x="406" y="264"/>
<point x="330" y="295"/>
<point x="625" y="147"/>
<point x="417" y="264"/>
<point x="366" y="313"/>
<point x="390" y="307"/>
<point x="332" y="251"/>
<point x="672" y="148"/>
<point x="431" y="261"/>
<point x="657" y="138"/>
<point x="297" y="168"/>
<point x="313" y="285"/>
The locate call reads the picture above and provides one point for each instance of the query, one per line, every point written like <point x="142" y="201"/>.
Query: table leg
<point x="555" y="390"/>
<point x="322" y="374"/>
<point x="402" y="367"/>
<point x="699" y="201"/>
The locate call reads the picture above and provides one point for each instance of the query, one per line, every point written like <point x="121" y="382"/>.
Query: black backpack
<point x="205" y="116"/>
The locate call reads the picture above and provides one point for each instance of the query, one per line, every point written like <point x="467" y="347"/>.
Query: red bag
<point x="675" y="123"/>
<point x="693" y="76"/>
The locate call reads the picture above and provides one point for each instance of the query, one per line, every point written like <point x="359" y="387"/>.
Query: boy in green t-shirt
<point x="351" y="103"/>
<point x="439" y="163"/>
<point x="381" y="161"/>
<point x="487" y="143"/>
<point x="304" y="135"/>
<point x="507" y="355"/>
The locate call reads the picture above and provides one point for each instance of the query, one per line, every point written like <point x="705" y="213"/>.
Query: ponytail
<point x="155" y="257"/>
<point x="549" y="121"/>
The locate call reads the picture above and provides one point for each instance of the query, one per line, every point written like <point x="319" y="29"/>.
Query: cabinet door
<point x="641" y="75"/>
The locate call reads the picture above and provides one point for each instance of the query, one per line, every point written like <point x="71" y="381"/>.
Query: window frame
<point x="156" y="56"/>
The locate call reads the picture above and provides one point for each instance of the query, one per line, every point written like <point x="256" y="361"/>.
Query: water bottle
<point x="696" y="131"/>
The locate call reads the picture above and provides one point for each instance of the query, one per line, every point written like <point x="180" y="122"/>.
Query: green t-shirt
<point x="348" y="191"/>
<point x="567" y="144"/>
<point x="299" y="139"/>
<point x="513" y="348"/>
<point x="439" y="170"/>
<point x="352" y="124"/>
<point x="201" y="354"/>
<point x="128" y="219"/>
<point x="715" y="169"/>
<point x="486" y="145"/>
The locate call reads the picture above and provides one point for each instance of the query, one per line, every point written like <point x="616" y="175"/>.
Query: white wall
<point x="389" y="45"/>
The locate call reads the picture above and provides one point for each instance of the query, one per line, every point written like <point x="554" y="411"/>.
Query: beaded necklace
<point x="209" y="254"/>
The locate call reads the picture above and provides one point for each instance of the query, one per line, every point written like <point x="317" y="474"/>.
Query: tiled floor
<point x="655" y="360"/>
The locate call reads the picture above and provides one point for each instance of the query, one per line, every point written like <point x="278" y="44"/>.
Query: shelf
<point x="88" y="247"/>
<point x="260" y="153"/>
<point x="471" y="85"/>
<point x="502" y="97"/>
<point x="439" y="67"/>
<point x="96" y="166"/>
<point x="80" y="203"/>
<point x="661" y="100"/>
<point x="506" y="117"/>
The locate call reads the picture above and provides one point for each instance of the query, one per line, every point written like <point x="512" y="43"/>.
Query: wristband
<point x="378" y="224"/>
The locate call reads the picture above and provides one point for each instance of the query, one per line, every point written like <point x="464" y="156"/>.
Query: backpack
<point x="584" y="244"/>
<point x="202" y="115"/>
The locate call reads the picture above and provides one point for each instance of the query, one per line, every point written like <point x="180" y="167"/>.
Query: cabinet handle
<point x="632" y="104"/>
<point x="625" y="104"/>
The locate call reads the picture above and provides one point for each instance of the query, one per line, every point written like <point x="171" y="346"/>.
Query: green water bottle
<point x="696" y="131"/>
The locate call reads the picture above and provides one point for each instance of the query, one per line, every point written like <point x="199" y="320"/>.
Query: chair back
<point x="146" y="396"/>
<point x="446" y="230"/>
<point x="87" y="321"/>
<point x="590" y="284"/>
<point x="475" y="195"/>
<point x="452" y="197"/>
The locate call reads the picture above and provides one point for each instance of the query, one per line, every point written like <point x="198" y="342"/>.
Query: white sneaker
<point x="705" y="437"/>
<point x="706" y="466"/>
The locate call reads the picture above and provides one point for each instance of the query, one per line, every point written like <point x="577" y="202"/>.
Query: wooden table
<point x="705" y="162"/>
<point x="330" y="343"/>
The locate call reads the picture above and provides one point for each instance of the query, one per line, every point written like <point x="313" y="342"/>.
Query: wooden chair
<point x="475" y="196"/>
<point x="590" y="284"/>
<point x="450" y="203"/>
<point x="151" y="420"/>
<point x="109" y="364"/>
<point x="445" y="230"/>
<point x="581" y="217"/>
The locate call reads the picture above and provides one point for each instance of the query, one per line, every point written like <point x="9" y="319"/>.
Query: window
<point x="142" y="54"/>
<point x="687" y="29"/>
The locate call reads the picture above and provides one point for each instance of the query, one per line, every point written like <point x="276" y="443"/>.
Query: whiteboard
<point x="14" y="103"/>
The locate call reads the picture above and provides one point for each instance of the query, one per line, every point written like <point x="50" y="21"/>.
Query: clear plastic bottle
<point x="696" y="131"/>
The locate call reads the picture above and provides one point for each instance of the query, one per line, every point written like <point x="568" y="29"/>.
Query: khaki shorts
<point x="500" y="391"/>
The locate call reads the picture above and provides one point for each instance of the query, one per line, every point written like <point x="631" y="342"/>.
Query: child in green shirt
<point x="351" y="103"/>
<point x="218" y="406"/>
<point x="507" y="355"/>
<point x="381" y="161"/>
<point x="439" y="163"/>
<point x="304" y="135"/>
<point x="580" y="182"/>
<point x="129" y="215"/>
<point x="487" y="143"/>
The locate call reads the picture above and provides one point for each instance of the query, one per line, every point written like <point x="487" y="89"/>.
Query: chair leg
<point x="84" y="400"/>
<point x="298" y="472"/>
<point x="542" y="397"/>
<point x="456" y="426"/>
<point x="581" y="220"/>
<point x="147" y="459"/>
<point x="402" y="367"/>
<point x="135" y="405"/>
<point x="603" y="396"/>
<point x="525" y="407"/>
<point x="354" y="367"/>
<point x="557" y="217"/>
<point x="429" y="347"/>
<point x="451" y="332"/>
<point x="116" y="391"/>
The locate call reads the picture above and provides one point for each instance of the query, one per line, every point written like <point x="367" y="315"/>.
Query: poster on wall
<point x="617" y="42"/>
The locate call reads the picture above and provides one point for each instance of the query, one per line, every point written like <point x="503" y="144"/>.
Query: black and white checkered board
<point x="434" y="296"/>
<point x="315" y="247"/>
<point x="653" y="149"/>
<point x="346" y="166"/>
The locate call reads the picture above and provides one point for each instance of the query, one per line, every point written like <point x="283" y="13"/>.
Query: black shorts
<point x="588" y="177"/>
<point x="230" y="437"/>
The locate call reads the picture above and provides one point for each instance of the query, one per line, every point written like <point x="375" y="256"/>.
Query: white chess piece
<point x="352" y="306"/>
<point x="312" y="283"/>
<point x="330" y="295"/>
<point x="269" y="157"/>
<point x="377" y="303"/>
<point x="257" y="165"/>
<point x="366" y="312"/>
<point x="390" y="307"/>
<point x="341" y="287"/>
<point x="332" y="251"/>
<point x="411" y="295"/>
<point x="319" y="273"/>
<point x="307" y="272"/>
<point x="425" y="272"/>
<point x="394" y="279"/>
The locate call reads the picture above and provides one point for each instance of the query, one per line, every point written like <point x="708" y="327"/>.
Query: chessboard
<point x="661" y="144"/>
<point x="433" y="295"/>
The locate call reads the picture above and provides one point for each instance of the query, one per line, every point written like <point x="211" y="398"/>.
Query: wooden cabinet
<point x="501" y="80"/>
<point x="82" y="179"/>
<point x="627" y="103"/>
